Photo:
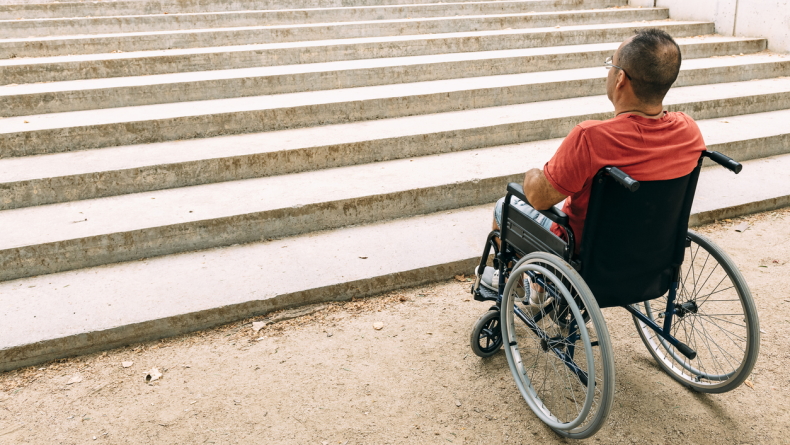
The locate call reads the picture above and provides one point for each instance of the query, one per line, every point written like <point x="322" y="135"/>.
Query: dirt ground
<point x="331" y="378"/>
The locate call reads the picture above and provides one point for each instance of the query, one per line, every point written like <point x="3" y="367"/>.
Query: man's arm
<point x="539" y="191"/>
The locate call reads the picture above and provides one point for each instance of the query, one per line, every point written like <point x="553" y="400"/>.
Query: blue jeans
<point x="525" y="209"/>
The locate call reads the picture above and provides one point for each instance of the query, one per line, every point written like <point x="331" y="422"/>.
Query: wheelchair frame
<point x="531" y="240"/>
<point x="521" y="235"/>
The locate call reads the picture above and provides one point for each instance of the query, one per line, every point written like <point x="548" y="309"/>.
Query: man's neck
<point x="648" y="111"/>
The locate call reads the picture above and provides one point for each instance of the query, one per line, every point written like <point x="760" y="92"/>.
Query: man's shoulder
<point x="593" y="125"/>
<point x="618" y="121"/>
<point x="680" y="116"/>
<point x="587" y="125"/>
<point x="578" y="132"/>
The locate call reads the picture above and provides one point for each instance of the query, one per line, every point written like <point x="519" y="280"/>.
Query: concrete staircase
<point x="167" y="166"/>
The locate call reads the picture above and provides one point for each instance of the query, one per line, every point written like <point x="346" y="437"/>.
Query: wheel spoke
<point x="725" y="353"/>
<point x="712" y="292"/>
<point x="691" y="269"/>
<point x="707" y="341"/>
<point x="707" y="278"/>
<point x="728" y="334"/>
<point x="726" y="321"/>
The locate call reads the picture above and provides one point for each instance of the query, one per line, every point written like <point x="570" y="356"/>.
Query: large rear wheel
<point x="559" y="351"/>
<point x="715" y="316"/>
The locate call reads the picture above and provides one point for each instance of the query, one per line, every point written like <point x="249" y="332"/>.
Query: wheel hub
<point x="689" y="307"/>
<point x="554" y="342"/>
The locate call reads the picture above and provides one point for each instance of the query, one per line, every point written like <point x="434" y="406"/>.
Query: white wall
<point x="765" y="18"/>
<point x="754" y="18"/>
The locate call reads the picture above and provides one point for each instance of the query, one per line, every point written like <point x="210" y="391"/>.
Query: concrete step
<point x="22" y="100"/>
<point x="452" y="26"/>
<point x="20" y="9"/>
<point x="16" y="28"/>
<point x="65" y="68"/>
<point x="86" y="233"/>
<point x="60" y="132"/>
<point x="87" y="310"/>
<point x="39" y="180"/>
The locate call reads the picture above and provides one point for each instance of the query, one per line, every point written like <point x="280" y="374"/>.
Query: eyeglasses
<point x="608" y="64"/>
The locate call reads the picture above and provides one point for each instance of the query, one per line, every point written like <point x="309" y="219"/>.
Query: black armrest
<point x="725" y="161"/>
<point x="553" y="213"/>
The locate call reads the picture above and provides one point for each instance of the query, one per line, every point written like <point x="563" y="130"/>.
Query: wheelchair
<point x="689" y="303"/>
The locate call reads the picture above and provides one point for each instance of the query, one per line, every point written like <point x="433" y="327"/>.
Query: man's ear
<point x="621" y="80"/>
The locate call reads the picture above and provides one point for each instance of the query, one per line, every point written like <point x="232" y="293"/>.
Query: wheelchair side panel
<point x="527" y="236"/>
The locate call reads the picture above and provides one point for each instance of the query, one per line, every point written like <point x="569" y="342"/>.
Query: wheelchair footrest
<point x="483" y="293"/>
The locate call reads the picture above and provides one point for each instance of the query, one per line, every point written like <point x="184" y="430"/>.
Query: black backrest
<point x="633" y="242"/>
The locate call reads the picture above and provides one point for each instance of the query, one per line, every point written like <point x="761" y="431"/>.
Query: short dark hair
<point x="652" y="61"/>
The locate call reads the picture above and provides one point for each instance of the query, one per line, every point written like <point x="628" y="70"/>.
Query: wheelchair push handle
<point x="725" y="161"/>
<point x="623" y="179"/>
<point x="553" y="214"/>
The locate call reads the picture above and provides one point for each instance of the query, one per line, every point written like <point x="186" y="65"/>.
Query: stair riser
<point x="190" y="127"/>
<point x="30" y="104"/>
<point x="158" y="177"/>
<point x="147" y="65"/>
<point x="24" y="105"/>
<point x="126" y="43"/>
<point x="174" y="22"/>
<point x="110" y="183"/>
<point x="126" y="246"/>
<point x="121" y="8"/>
<point x="707" y="217"/>
<point x="156" y="241"/>
<point x="81" y="344"/>
<point x="749" y="149"/>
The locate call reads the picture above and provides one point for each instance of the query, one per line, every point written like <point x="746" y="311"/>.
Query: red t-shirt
<point x="646" y="149"/>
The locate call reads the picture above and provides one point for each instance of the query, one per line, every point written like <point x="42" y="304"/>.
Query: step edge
<point x="118" y="35"/>
<point x="766" y="67"/>
<point x="737" y="149"/>
<point x="316" y="9"/>
<point x="223" y="230"/>
<point x="77" y="45"/>
<point x="237" y="48"/>
<point x="243" y="121"/>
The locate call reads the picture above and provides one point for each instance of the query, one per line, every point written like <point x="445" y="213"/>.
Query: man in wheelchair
<point x="642" y="139"/>
<point x="620" y="240"/>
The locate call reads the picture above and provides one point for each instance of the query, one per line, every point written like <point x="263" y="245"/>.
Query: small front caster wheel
<point x="486" y="338"/>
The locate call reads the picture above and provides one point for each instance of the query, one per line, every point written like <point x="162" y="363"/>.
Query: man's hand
<point x="539" y="191"/>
